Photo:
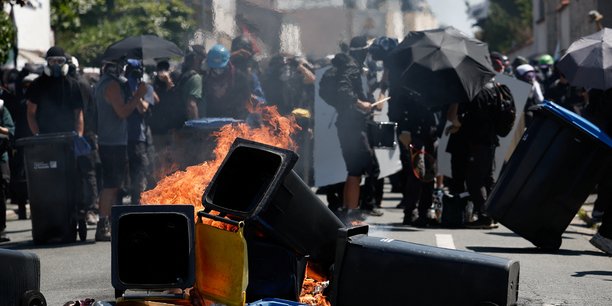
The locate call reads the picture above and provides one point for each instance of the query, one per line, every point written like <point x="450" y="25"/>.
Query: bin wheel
<point x="119" y="293"/>
<point x="33" y="298"/>
<point x="82" y="230"/>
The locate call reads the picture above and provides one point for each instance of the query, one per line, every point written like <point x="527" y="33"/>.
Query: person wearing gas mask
<point x="287" y="82"/>
<point x="115" y="104"/>
<point x="55" y="103"/>
<point x="138" y="135"/>
<point x="242" y="57"/>
<point x="226" y="89"/>
<point x="190" y="83"/>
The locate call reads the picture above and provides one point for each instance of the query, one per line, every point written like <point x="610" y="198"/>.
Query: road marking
<point x="445" y="241"/>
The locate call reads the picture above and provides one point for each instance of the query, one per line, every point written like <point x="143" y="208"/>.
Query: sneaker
<point x="4" y="237"/>
<point x="482" y="223"/>
<point x="373" y="212"/>
<point x="602" y="243"/>
<point x="92" y="218"/>
<point x="420" y="222"/>
<point x="103" y="232"/>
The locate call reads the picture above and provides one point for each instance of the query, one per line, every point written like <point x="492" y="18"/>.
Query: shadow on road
<point x="511" y="234"/>
<point x="533" y="250"/>
<point x="391" y="227"/>
<point x="594" y="273"/>
<point x="30" y="245"/>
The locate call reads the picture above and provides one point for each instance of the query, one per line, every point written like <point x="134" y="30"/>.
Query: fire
<point x="312" y="289"/>
<point x="187" y="187"/>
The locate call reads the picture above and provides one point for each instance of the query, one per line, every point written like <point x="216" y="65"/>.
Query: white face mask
<point x="217" y="71"/>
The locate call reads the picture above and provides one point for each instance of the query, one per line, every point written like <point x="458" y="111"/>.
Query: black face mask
<point x="359" y="56"/>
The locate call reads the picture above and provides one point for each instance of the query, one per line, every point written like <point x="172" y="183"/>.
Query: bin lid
<point x="577" y="121"/>
<point x="210" y="123"/>
<point x="67" y="137"/>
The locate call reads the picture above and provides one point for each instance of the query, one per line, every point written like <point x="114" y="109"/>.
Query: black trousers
<point x="479" y="173"/>
<point x="86" y="166"/>
<point x="416" y="193"/>
<point x="604" y="203"/>
<point x="138" y="162"/>
<point x="4" y="183"/>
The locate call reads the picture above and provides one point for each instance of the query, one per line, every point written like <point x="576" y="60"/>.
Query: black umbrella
<point x="145" y="47"/>
<point x="588" y="61"/>
<point x="444" y="65"/>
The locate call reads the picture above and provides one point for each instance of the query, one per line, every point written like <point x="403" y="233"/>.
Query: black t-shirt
<point x="56" y="98"/>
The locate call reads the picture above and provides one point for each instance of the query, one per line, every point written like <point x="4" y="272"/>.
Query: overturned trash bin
<point x="383" y="271"/>
<point x="51" y="173"/>
<point x="20" y="279"/>
<point x="255" y="183"/>
<point x="152" y="248"/>
<point x="552" y="171"/>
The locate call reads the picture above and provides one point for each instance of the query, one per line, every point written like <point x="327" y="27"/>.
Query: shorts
<point x="114" y="165"/>
<point x="356" y="151"/>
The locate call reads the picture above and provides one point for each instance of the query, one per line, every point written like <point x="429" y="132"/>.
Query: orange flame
<point x="187" y="187"/>
<point x="313" y="287"/>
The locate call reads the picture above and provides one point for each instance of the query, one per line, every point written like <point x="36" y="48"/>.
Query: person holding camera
<point x="138" y="135"/>
<point x="115" y="105"/>
<point x="7" y="130"/>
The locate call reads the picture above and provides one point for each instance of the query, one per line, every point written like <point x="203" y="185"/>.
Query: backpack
<point x="505" y="110"/>
<point x="328" y="87"/>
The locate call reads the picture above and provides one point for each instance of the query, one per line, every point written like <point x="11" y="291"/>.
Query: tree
<point x="86" y="27"/>
<point x="507" y="26"/>
<point x="7" y="36"/>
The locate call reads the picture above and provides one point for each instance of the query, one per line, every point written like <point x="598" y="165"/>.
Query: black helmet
<point x="381" y="47"/>
<point x="242" y="42"/>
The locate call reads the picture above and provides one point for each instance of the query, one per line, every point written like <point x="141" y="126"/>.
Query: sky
<point x="453" y="13"/>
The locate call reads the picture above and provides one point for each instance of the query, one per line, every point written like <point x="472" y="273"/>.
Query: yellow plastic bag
<point x="221" y="261"/>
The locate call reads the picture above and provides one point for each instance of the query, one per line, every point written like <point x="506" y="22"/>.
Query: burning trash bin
<point x="255" y="183"/>
<point x="194" y="143"/>
<point x="51" y="173"/>
<point x="551" y="173"/>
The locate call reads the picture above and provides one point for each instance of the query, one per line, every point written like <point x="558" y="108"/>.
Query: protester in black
<point x="472" y="147"/>
<point x="599" y="111"/>
<point x="54" y="100"/>
<point x="353" y="109"/>
<point x="7" y="129"/>
<point x="86" y="164"/>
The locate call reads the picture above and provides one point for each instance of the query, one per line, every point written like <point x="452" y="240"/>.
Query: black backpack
<point x="505" y="110"/>
<point x="329" y="86"/>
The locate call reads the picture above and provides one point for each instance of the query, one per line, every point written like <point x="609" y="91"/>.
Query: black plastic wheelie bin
<point x="552" y="171"/>
<point x="51" y="172"/>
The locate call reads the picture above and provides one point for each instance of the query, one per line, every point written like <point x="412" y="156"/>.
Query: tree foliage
<point x="508" y="25"/>
<point x="86" y="27"/>
<point x="7" y="36"/>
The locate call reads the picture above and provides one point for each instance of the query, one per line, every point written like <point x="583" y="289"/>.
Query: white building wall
<point x="34" y="26"/>
<point x="224" y="16"/>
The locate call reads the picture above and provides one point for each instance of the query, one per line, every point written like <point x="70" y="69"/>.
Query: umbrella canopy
<point x="444" y="65"/>
<point x="588" y="61"/>
<point x="145" y="47"/>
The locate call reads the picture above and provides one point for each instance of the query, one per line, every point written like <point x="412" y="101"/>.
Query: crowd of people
<point x="128" y="113"/>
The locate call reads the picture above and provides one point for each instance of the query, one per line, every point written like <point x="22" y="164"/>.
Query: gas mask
<point x="285" y="73"/>
<point x="56" y="66"/>
<point x="217" y="71"/>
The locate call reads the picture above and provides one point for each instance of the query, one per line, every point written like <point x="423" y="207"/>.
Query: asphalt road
<point x="578" y="274"/>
